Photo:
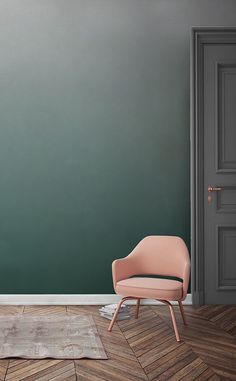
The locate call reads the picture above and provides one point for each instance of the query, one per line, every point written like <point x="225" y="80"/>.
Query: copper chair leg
<point x="117" y="311"/>
<point x="172" y="317"/>
<point x="137" y="309"/>
<point x="182" y="312"/>
<point x="115" y="315"/>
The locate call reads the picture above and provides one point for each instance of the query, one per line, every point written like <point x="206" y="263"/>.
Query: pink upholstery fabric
<point x="150" y="288"/>
<point x="160" y="255"/>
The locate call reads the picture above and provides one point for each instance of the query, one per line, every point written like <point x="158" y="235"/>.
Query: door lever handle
<point x="214" y="189"/>
<point x="210" y="190"/>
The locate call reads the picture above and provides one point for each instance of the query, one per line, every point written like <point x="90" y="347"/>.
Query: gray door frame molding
<point x="200" y="36"/>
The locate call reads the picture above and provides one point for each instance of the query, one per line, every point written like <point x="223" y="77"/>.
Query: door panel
<point x="226" y="200"/>
<point x="226" y="116"/>
<point x="219" y="91"/>
<point x="226" y="277"/>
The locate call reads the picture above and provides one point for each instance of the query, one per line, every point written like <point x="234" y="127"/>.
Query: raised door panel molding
<point x="226" y="199"/>
<point x="226" y="252"/>
<point x="225" y="116"/>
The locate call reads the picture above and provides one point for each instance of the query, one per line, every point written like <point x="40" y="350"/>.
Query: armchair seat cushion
<point x="151" y="288"/>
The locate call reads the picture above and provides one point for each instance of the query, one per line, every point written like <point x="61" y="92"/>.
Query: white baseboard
<point x="73" y="299"/>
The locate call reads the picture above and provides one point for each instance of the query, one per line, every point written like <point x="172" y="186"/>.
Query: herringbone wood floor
<point x="143" y="349"/>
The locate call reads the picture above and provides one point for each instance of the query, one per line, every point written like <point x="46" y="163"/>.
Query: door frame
<point x="200" y="36"/>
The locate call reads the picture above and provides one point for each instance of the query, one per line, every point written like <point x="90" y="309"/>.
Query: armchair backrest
<point x="162" y="255"/>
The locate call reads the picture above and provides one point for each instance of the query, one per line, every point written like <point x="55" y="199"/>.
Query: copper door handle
<point x="210" y="190"/>
<point x="214" y="189"/>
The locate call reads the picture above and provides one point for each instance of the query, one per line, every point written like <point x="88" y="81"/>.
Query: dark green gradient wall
<point x="94" y="134"/>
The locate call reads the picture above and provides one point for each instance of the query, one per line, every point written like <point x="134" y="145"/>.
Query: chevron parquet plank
<point x="222" y="316"/>
<point x="3" y="369"/>
<point x="44" y="310"/>
<point x="63" y="371"/>
<point x="30" y="368"/>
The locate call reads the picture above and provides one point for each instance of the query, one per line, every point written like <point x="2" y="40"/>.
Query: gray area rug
<point x="58" y="336"/>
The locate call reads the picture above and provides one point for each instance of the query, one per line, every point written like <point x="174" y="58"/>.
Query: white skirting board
<point x="73" y="299"/>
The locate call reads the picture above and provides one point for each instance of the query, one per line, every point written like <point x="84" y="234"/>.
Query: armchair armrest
<point x="122" y="268"/>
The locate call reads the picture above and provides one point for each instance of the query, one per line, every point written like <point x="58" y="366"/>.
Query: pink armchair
<point x="154" y="255"/>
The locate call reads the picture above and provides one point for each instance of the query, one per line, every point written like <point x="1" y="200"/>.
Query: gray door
<point x="219" y="167"/>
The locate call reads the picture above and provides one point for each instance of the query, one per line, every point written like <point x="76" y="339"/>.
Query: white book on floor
<point x="119" y="314"/>
<point x="112" y="314"/>
<point x="119" y="317"/>
<point x="112" y="308"/>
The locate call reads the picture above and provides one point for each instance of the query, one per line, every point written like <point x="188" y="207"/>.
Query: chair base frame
<point x="172" y="313"/>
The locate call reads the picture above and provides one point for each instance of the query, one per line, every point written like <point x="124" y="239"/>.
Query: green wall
<point x="94" y="134"/>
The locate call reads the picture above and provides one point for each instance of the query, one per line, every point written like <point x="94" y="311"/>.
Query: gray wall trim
<point x="199" y="37"/>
